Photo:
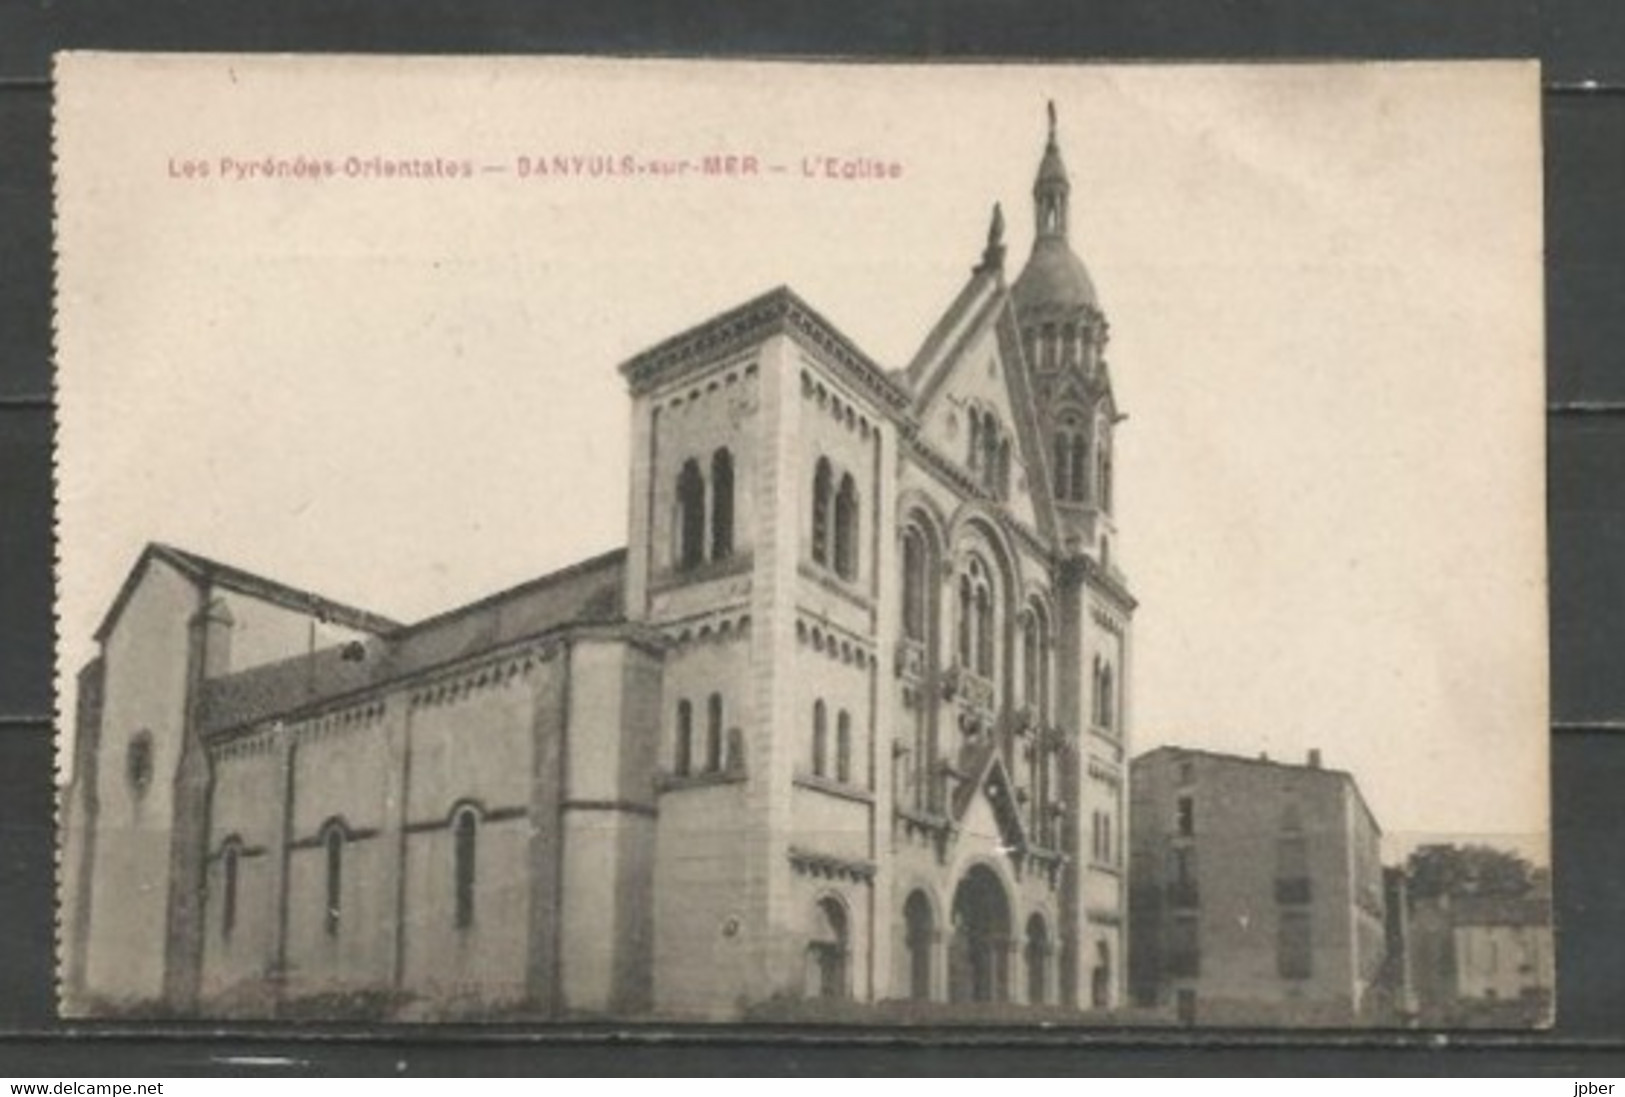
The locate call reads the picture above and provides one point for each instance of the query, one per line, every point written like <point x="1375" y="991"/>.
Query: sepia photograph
<point x="554" y="540"/>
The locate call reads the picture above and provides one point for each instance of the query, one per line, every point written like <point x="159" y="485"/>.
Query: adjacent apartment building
<point x="1483" y="959"/>
<point x="1256" y="890"/>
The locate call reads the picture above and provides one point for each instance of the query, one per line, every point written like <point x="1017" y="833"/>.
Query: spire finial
<point x="993" y="254"/>
<point x="1051" y="188"/>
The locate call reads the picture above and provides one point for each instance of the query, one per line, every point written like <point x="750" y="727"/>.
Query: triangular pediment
<point x="986" y="805"/>
<point x="972" y="366"/>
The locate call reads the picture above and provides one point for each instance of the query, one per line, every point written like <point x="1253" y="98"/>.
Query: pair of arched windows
<point x="840" y="767"/>
<point x="1072" y="467"/>
<point x="835" y="520"/>
<point x="976" y="617"/>
<point x="989" y="453"/>
<point x="1105" y="706"/>
<point x="693" y="545"/>
<point x="687" y="762"/>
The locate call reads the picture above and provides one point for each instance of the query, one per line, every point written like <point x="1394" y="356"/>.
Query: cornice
<point x="778" y="312"/>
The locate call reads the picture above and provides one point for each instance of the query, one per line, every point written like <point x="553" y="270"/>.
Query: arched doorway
<point x="827" y="950"/>
<point x="919" y="927"/>
<point x="978" y="960"/>
<point x="1037" y="961"/>
<point x="1100" y="985"/>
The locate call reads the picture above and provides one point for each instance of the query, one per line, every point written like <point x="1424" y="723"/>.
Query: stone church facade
<point x="848" y="717"/>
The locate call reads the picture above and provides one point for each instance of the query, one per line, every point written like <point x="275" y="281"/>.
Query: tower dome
<point x="1054" y="283"/>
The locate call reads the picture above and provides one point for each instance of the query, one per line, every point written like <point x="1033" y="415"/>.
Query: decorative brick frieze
<point x="830" y="867"/>
<point x="353" y="718"/>
<point x="837" y="643"/>
<point x="841" y="410"/>
<point x="719" y="627"/>
<point x="488" y="675"/>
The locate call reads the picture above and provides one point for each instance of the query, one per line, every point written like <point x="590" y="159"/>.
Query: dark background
<point x="1581" y="44"/>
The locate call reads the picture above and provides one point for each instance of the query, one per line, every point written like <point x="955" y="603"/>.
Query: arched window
<point x="843" y="747"/>
<point x="1063" y="459"/>
<point x="333" y="844"/>
<point x="465" y="836"/>
<point x="1106" y="476"/>
<point x="722" y="505"/>
<point x="685" y="739"/>
<point x="984" y="632"/>
<point x="1004" y="469"/>
<point x="1037" y="961"/>
<point x="1096" y="694"/>
<point x="976" y="617"/>
<point x="1044" y="659"/>
<point x="228" y="888"/>
<point x="713" y="733"/>
<point x="967" y="622"/>
<point x="822" y="504"/>
<point x="990" y="452"/>
<point x="827" y="950"/>
<point x="820" y="743"/>
<point x="690" y="516"/>
<point x="1030" y="659"/>
<point x="1079" y="472"/>
<point x="914" y="584"/>
<point x="1108" y="709"/>
<point x="920" y="939"/>
<point x="846" y="528"/>
<point x="1045" y="819"/>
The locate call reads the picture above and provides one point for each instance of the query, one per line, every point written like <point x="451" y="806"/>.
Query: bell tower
<point x="1064" y="339"/>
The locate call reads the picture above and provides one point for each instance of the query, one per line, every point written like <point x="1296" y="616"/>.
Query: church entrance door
<point x="979" y="955"/>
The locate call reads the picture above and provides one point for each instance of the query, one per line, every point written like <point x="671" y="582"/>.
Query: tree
<point x="1444" y="869"/>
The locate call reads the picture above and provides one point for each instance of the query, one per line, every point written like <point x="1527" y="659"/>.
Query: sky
<point x="1323" y="285"/>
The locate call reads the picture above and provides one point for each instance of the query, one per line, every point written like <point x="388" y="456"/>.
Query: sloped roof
<point x="206" y="572"/>
<point x="587" y="593"/>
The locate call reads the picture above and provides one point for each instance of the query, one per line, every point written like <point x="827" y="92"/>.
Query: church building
<point x="847" y="718"/>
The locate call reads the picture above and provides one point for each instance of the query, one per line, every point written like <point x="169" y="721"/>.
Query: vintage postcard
<point x="550" y="539"/>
